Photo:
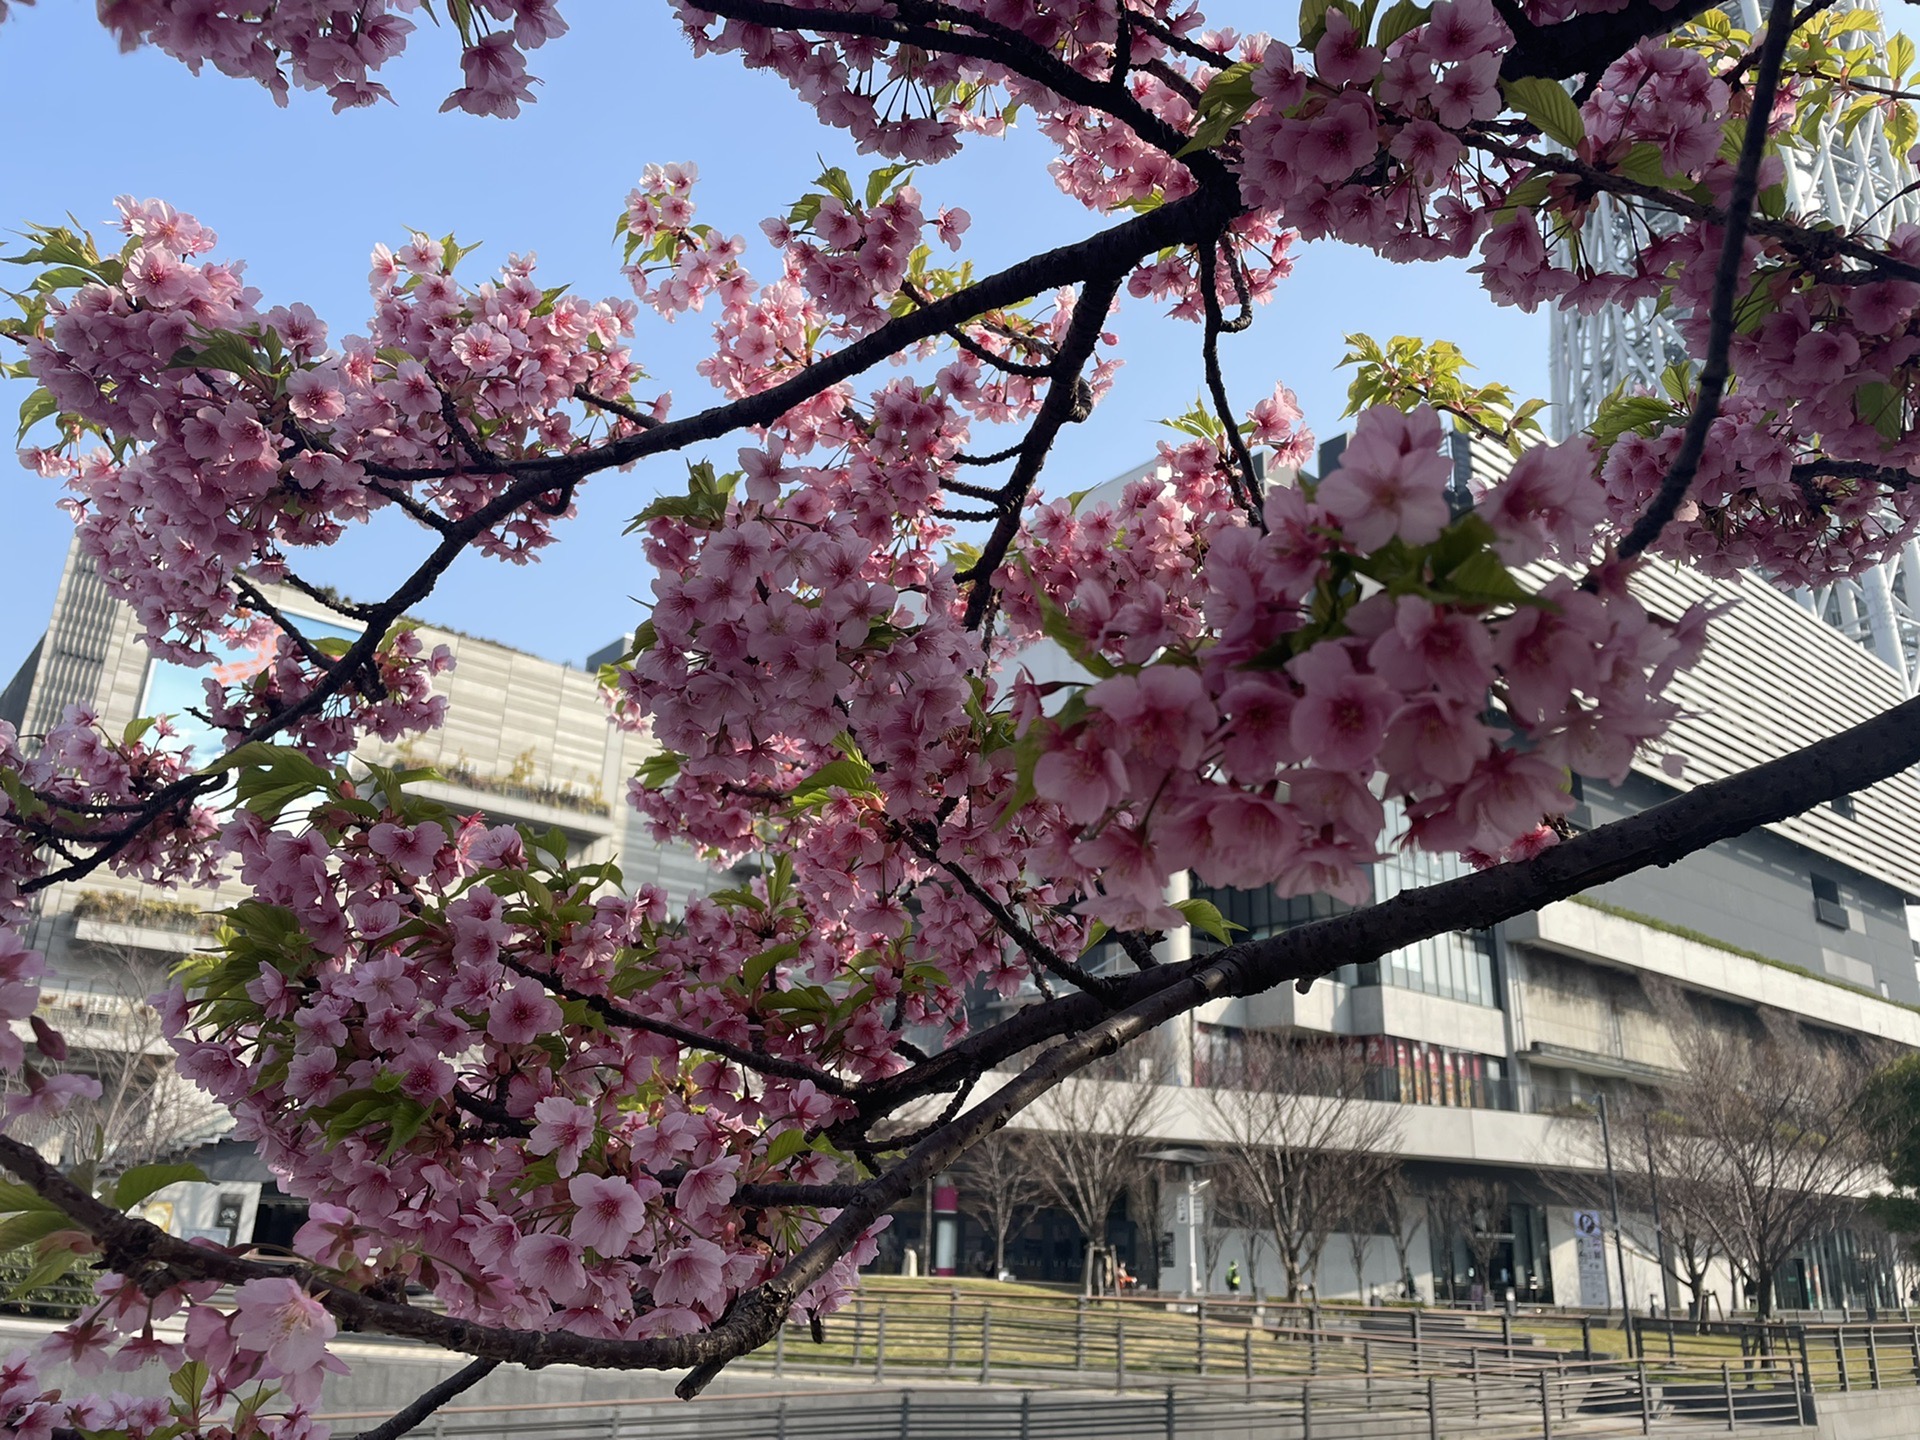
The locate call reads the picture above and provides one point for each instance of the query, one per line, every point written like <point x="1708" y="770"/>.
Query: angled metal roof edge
<point x="1890" y="849"/>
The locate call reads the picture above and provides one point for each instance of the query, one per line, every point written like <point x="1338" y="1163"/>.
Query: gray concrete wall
<point x="1756" y="892"/>
<point x="1868" y="1415"/>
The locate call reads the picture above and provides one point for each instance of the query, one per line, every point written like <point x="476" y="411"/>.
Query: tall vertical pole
<point x="1667" y="1287"/>
<point x="926" y="1233"/>
<point x="1195" y="1281"/>
<point x="1613" y="1201"/>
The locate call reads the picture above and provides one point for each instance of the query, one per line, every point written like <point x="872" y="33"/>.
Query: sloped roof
<point x="1772" y="680"/>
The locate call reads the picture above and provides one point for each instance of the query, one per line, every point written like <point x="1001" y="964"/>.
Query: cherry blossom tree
<point x="603" y="1134"/>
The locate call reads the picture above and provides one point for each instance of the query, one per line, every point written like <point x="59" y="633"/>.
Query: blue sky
<point x="303" y="195"/>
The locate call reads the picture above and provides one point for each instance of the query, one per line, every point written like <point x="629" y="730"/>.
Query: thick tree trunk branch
<point x="1855" y="758"/>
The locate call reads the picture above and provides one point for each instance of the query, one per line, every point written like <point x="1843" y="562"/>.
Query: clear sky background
<point x="303" y="195"/>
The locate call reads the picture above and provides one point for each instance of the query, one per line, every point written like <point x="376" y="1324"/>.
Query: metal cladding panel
<point x="1772" y="680"/>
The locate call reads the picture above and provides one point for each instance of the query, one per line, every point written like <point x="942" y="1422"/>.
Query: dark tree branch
<point x="410" y="1415"/>
<point x="1726" y="288"/>
<point x="994" y="459"/>
<point x="1586" y="44"/>
<point x="1806" y="13"/>
<point x="1811" y="246"/>
<point x="1865" y="470"/>
<point x="973" y="347"/>
<point x="425" y="514"/>
<point x="1065" y="402"/>
<point x="250" y="593"/>
<point x="1246" y="483"/>
<point x="1031" y="945"/>
<point x="1116" y="249"/>
<point x="1839" y="765"/>
<point x="981" y="39"/>
<point x="626" y="1019"/>
<point x="340" y="605"/>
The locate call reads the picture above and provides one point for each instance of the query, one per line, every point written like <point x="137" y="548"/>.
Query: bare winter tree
<point x="1001" y="1186"/>
<point x="1768" y="1145"/>
<point x="1303" y="1139"/>
<point x="1402" y="1209"/>
<point x="146" y="1109"/>
<point x="1090" y="1153"/>
<point x="1476" y="1210"/>
<point x="1370" y="1213"/>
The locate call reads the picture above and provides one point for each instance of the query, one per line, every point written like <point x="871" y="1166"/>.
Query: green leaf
<point x="658" y="771"/>
<point x="220" y="350"/>
<point x="1205" y="916"/>
<point x="704" y="505"/>
<point x="787" y="1144"/>
<point x="1899" y="57"/>
<point x="1882" y="407"/>
<point x="188" y="1382"/>
<point x="1643" y="163"/>
<point x="1481" y="576"/>
<point x="835" y="182"/>
<point x="855" y="776"/>
<point x="31" y="1225"/>
<point x="1227" y="99"/>
<point x="884" y="181"/>
<point x="1903" y="127"/>
<point x="1057" y="627"/>
<point x="1620" y="413"/>
<point x="1524" y="196"/>
<point x="1096" y="932"/>
<point x="1549" y="107"/>
<point x="35" y="408"/>
<point x="758" y="967"/>
<point x="141" y="1181"/>
<point x="16" y="1197"/>
<point x="50" y="1267"/>
<point x="1399" y="20"/>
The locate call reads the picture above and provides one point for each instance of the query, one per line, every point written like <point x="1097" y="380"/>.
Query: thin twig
<point x="1246" y="486"/>
<point x="408" y="1416"/>
<point x="627" y="1019"/>
<point x="614" y="407"/>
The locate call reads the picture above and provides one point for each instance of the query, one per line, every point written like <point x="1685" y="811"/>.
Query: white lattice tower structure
<point x="1855" y="181"/>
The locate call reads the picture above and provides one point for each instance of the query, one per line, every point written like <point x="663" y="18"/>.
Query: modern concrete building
<point x="525" y="740"/>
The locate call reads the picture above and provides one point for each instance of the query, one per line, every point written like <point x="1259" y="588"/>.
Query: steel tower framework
<point x="1856" y="182"/>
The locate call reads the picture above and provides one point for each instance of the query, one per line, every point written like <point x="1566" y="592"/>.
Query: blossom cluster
<point x="338" y="46"/>
<point x="237" y="433"/>
<point x="1263" y="689"/>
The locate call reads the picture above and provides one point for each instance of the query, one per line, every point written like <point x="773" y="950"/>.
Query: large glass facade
<point x="1454" y="966"/>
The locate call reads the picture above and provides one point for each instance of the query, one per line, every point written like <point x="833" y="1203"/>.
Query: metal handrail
<point x="1588" y="1398"/>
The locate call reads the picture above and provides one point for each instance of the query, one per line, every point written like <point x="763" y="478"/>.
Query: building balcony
<point x="1603" y="938"/>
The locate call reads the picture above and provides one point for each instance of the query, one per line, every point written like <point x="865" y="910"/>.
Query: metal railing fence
<point x="1587" y="1399"/>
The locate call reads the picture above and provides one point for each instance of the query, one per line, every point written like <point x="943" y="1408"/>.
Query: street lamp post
<point x="1619" y="1246"/>
<point x="1190" y="1211"/>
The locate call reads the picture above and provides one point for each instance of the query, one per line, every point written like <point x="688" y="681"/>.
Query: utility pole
<point x="1613" y="1200"/>
<point x="1667" y="1286"/>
